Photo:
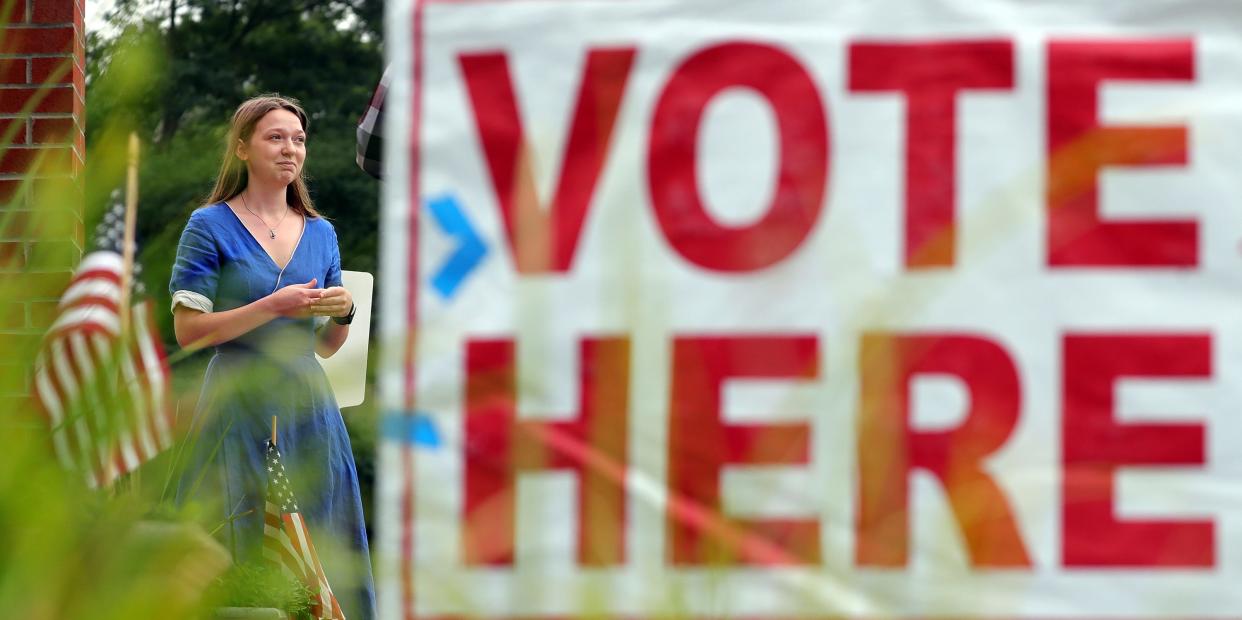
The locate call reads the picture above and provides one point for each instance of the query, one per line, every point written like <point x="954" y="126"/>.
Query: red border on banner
<point x="407" y="451"/>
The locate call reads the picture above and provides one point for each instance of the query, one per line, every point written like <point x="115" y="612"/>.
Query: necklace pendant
<point x="271" y="233"/>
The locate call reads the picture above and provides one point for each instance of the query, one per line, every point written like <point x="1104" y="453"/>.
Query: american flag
<point x="287" y="543"/>
<point x="107" y="400"/>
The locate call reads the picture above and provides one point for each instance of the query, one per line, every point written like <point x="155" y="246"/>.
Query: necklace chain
<point x="271" y="230"/>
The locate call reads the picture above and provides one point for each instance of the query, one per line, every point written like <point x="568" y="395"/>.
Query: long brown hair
<point x="234" y="177"/>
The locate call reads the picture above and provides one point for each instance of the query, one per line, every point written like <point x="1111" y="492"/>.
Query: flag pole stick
<point x="131" y="220"/>
<point x="273" y="430"/>
<point x="127" y="258"/>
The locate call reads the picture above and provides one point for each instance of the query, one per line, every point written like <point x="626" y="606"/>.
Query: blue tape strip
<point x="448" y="215"/>
<point x="417" y="429"/>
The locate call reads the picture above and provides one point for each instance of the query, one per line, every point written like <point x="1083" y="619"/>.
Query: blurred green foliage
<point x="249" y="585"/>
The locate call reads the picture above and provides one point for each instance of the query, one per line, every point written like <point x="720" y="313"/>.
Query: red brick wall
<point x="42" y="149"/>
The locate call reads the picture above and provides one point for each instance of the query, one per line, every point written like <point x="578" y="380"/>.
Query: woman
<point x="258" y="277"/>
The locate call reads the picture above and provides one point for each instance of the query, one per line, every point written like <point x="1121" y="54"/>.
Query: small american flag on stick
<point x="287" y="543"/>
<point x="104" y="385"/>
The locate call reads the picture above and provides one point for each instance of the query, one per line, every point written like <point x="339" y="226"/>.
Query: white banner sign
<point x="813" y="308"/>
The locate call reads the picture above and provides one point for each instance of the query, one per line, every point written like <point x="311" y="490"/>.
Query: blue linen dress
<point x="272" y="371"/>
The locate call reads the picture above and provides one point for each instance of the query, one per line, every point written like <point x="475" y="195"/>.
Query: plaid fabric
<point x="371" y="131"/>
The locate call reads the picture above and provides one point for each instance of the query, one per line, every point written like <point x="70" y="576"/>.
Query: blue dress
<point x="272" y="371"/>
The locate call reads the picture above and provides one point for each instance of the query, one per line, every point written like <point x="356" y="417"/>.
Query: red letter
<point x="888" y="447"/>
<point x="700" y="444"/>
<point x="1079" y="147"/>
<point x="1095" y="446"/>
<point x="801" y="177"/>
<point x="500" y="446"/>
<point x="544" y="239"/>
<point x="930" y="75"/>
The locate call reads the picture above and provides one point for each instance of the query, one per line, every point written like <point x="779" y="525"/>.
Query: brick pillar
<point x="42" y="149"/>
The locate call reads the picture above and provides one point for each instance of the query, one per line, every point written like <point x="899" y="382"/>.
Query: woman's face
<point x="276" y="149"/>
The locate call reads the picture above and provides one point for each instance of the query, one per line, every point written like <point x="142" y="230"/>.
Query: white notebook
<point x="347" y="369"/>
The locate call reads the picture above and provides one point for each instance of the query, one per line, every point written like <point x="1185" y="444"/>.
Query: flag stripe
<point x="139" y="438"/>
<point x="124" y="445"/>
<point x="278" y="548"/>
<point x="84" y="362"/>
<point x="69" y="383"/>
<point x="309" y="559"/>
<point x="48" y="395"/>
<point x="65" y="405"/>
<point x="154" y="364"/>
<point x="103" y="261"/>
<point x="98" y="290"/>
<point x="76" y="317"/>
<point x="96" y="419"/>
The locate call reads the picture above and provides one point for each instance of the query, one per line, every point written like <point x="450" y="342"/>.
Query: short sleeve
<point x="197" y="268"/>
<point x="333" y="277"/>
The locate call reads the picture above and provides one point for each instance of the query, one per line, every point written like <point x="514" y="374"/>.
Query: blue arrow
<point x="417" y="429"/>
<point x="470" y="248"/>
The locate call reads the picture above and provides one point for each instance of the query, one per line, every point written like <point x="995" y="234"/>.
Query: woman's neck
<point x="264" y="200"/>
